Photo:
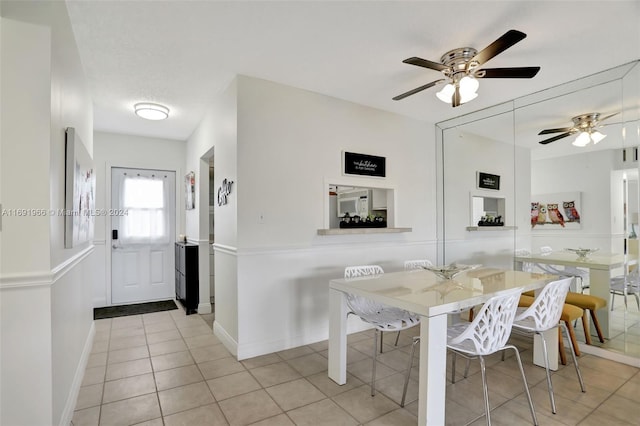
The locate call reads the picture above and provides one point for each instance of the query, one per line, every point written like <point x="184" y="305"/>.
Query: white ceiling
<point x="182" y="53"/>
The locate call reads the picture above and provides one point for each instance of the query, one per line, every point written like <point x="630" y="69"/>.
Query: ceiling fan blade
<point x="455" y="100"/>
<point x="418" y="89"/>
<point x="609" y="116"/>
<point x="555" y="138"/>
<point x="518" y="72"/>
<point x="505" y="41"/>
<point x="563" y="129"/>
<point x="425" y="63"/>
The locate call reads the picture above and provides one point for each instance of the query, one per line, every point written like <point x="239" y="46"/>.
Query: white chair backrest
<point x="416" y="264"/>
<point x="359" y="305"/>
<point x="362" y="271"/>
<point x="546" y="309"/>
<point x="491" y="328"/>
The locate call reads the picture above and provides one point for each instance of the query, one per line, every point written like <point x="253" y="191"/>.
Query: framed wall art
<point x="562" y="210"/>
<point x="79" y="194"/>
<point x="190" y="191"/>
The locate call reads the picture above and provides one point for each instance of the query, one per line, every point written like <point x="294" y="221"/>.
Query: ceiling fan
<point x="585" y="124"/>
<point x="461" y="68"/>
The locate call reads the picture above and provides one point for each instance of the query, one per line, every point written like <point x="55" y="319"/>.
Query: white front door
<point x="143" y="234"/>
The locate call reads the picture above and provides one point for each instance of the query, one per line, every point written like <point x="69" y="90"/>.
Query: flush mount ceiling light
<point x="462" y="67"/>
<point x="151" y="111"/>
<point x="586" y="127"/>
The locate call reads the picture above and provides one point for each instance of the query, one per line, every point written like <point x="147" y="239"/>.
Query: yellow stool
<point x="591" y="304"/>
<point x="569" y="314"/>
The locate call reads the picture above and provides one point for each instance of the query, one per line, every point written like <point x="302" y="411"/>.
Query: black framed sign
<point x="363" y="164"/>
<point x="488" y="181"/>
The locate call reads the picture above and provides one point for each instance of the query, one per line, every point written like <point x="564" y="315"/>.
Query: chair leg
<point x="453" y="367"/>
<point x="546" y="368"/>
<point x="572" y="337"/>
<point x="485" y="391"/>
<point x="470" y="314"/>
<point x="575" y="360"/>
<point x="406" y="379"/>
<point x="381" y="334"/>
<point x="596" y="324"/>
<point x="375" y="354"/>
<point x="563" y="354"/>
<point x="466" y="368"/>
<point x="637" y="300"/>
<point x="585" y="326"/>
<point x="613" y="296"/>
<point x="526" y="387"/>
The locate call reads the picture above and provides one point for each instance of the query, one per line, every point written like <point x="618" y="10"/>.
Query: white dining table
<point x="431" y="297"/>
<point x="600" y="266"/>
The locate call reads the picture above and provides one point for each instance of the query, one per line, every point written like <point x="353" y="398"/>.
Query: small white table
<point x="599" y="265"/>
<point x="423" y="293"/>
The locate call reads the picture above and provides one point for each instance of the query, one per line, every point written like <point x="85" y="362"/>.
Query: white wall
<point x="45" y="301"/>
<point x="289" y="146"/>
<point x="589" y="173"/>
<point x="217" y="131"/>
<point x="116" y="150"/>
<point x="466" y="154"/>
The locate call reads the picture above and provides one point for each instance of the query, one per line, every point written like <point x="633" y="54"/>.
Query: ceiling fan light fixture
<point x="582" y="140"/>
<point x="151" y="111"/>
<point x="597" y="136"/>
<point x="468" y="84"/>
<point x="446" y="93"/>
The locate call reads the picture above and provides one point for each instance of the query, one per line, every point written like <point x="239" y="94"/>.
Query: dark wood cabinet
<point x="187" y="288"/>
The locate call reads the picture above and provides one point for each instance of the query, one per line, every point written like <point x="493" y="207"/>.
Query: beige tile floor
<point x="169" y="369"/>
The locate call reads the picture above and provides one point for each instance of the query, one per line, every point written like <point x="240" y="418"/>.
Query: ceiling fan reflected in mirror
<point x="462" y="67"/>
<point x="585" y="124"/>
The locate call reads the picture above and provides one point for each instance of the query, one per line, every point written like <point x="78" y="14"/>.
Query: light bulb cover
<point x="597" y="136"/>
<point x="468" y="85"/>
<point x="583" y="139"/>
<point x="446" y="93"/>
<point x="151" y="111"/>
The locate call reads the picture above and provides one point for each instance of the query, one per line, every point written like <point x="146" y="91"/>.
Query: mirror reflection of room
<point x="357" y="207"/>
<point x="598" y="180"/>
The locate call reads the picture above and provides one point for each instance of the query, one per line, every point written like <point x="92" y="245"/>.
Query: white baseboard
<point x="72" y="398"/>
<point x="225" y="338"/>
<point x="204" y="308"/>
<point x="263" y="348"/>
<point x="610" y="355"/>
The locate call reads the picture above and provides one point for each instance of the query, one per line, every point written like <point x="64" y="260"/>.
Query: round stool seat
<point x="571" y="312"/>
<point x="588" y="303"/>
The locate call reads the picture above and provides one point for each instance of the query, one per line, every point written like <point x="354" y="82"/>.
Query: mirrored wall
<point x="572" y="191"/>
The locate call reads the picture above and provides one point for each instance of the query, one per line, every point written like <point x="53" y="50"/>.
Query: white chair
<point x="543" y="315"/>
<point x="382" y="317"/>
<point x="487" y="334"/>
<point x="416" y="264"/>
<point x="624" y="286"/>
<point x="566" y="271"/>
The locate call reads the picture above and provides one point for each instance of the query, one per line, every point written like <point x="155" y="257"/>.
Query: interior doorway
<point x="212" y="239"/>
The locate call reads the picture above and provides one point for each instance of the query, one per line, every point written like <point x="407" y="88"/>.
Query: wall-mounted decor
<point x="224" y="191"/>
<point x="190" y="191"/>
<point x="488" y="181"/>
<point x="556" y="211"/>
<point x="79" y="194"/>
<point x="363" y="164"/>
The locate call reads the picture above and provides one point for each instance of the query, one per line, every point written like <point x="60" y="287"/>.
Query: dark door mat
<point x="136" y="309"/>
